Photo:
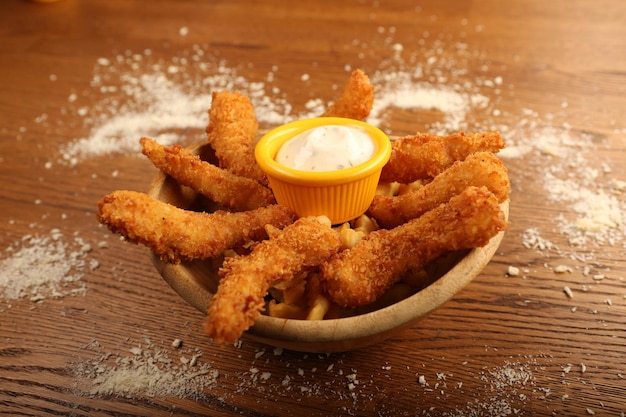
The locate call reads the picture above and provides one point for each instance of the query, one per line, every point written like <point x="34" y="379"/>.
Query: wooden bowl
<point x="196" y="282"/>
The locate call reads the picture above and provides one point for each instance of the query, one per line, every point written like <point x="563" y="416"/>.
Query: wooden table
<point x="542" y="331"/>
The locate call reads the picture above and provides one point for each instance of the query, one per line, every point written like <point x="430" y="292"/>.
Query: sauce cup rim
<point x="267" y="147"/>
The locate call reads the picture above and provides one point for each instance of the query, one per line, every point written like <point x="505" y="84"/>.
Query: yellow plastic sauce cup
<point x="341" y="194"/>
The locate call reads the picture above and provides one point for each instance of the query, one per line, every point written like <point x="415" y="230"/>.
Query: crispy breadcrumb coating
<point x="232" y="133"/>
<point x="246" y="280"/>
<point x="478" y="169"/>
<point x="223" y="187"/>
<point x="423" y="155"/>
<point x="357" y="276"/>
<point x="174" y="233"/>
<point x="356" y="99"/>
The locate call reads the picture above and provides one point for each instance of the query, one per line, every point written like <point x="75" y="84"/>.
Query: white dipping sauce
<point x="326" y="148"/>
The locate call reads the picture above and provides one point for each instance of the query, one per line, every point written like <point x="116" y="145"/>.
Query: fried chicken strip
<point x="174" y="233"/>
<point x="232" y="133"/>
<point x="223" y="187"/>
<point x="357" y="276"/>
<point x="356" y="99"/>
<point x="246" y="280"/>
<point x="423" y="156"/>
<point x="478" y="169"/>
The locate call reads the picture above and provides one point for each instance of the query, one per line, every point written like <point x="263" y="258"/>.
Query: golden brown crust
<point x="357" y="276"/>
<point x="223" y="187"/>
<point x="424" y="156"/>
<point x="246" y="280"/>
<point x="356" y="99"/>
<point x="232" y="133"/>
<point x="174" y="233"/>
<point x="478" y="169"/>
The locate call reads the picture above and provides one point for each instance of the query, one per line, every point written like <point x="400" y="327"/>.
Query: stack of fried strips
<point x="456" y="208"/>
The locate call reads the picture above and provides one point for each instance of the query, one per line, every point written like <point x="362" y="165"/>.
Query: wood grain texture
<point x="505" y="345"/>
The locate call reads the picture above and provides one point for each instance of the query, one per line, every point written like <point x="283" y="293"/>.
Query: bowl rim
<point x="345" y="333"/>
<point x="268" y="145"/>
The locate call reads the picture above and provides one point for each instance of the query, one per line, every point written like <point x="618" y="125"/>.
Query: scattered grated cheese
<point x="149" y="371"/>
<point x="568" y="292"/>
<point x="41" y="267"/>
<point x="560" y="269"/>
<point x="513" y="271"/>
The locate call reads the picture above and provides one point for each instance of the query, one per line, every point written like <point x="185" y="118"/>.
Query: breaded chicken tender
<point x="356" y="99"/>
<point x="423" y="156"/>
<point x="232" y="133"/>
<point x="478" y="169"/>
<point x="174" y="233"/>
<point x="357" y="276"/>
<point x="246" y="280"/>
<point x="223" y="187"/>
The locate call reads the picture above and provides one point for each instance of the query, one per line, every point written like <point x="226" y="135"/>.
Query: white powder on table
<point x="402" y="90"/>
<point x="40" y="267"/>
<point x="572" y="178"/>
<point x="135" y="95"/>
<point x="507" y="389"/>
<point x="148" y="370"/>
<point x="158" y="108"/>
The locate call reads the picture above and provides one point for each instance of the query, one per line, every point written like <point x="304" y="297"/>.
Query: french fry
<point x="287" y="311"/>
<point x="319" y="308"/>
